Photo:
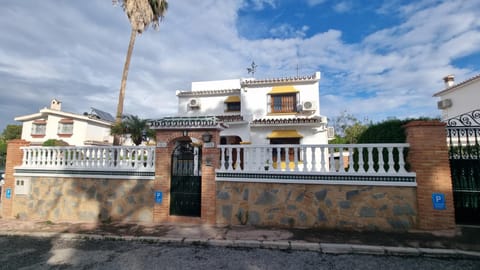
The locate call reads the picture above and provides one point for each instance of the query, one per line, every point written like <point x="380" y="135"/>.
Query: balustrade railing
<point x="132" y="158"/>
<point x="346" y="159"/>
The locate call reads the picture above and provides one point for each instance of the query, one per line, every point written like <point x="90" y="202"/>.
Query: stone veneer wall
<point x="317" y="206"/>
<point x="89" y="200"/>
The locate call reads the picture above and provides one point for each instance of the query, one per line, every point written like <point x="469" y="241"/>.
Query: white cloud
<point x="288" y="31"/>
<point x="315" y="2"/>
<point x="259" y="4"/>
<point x="342" y="7"/>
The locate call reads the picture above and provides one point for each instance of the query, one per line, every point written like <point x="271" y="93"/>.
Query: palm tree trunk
<point x="121" y="95"/>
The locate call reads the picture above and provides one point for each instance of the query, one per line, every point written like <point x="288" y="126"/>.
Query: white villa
<point x="267" y="111"/>
<point x="76" y="129"/>
<point x="460" y="101"/>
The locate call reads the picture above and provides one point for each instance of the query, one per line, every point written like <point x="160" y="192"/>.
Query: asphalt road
<point x="51" y="253"/>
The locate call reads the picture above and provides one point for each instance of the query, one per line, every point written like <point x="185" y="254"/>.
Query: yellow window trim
<point x="283" y="89"/>
<point x="277" y="134"/>
<point x="232" y="99"/>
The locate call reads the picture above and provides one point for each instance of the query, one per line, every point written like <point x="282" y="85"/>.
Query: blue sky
<point x="378" y="59"/>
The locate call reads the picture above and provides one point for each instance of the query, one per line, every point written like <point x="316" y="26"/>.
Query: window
<point x="65" y="127"/>
<point x="284" y="103"/>
<point x="233" y="107"/>
<point x="38" y="128"/>
<point x="232" y="104"/>
<point x="283" y="99"/>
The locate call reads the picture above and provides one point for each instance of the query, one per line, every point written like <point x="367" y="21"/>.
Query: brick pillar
<point x="162" y="183"/>
<point x="14" y="158"/>
<point x="210" y="161"/>
<point x="428" y="158"/>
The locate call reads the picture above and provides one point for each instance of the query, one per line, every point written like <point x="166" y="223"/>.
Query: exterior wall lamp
<point x="206" y="137"/>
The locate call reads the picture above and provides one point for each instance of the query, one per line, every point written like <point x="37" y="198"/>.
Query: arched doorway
<point x="186" y="180"/>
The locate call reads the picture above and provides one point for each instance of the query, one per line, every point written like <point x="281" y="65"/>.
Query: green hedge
<point x="390" y="131"/>
<point x="54" y="142"/>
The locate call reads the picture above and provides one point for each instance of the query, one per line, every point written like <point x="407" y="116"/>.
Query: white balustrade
<point x="132" y="158"/>
<point x="346" y="159"/>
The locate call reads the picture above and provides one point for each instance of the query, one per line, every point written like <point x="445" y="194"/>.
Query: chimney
<point x="449" y="80"/>
<point x="56" y="105"/>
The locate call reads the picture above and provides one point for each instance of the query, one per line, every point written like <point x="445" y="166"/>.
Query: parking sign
<point x="438" y="200"/>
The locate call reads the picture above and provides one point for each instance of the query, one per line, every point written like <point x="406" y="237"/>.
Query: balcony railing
<point x="340" y="162"/>
<point x="110" y="161"/>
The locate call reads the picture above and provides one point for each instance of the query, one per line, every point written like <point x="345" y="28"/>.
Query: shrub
<point x="390" y="131"/>
<point x="54" y="142"/>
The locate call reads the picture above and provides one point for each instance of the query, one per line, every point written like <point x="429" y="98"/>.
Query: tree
<point x="347" y="128"/>
<point x="9" y="133"/>
<point x="12" y="132"/>
<point x="141" y="13"/>
<point x="134" y="126"/>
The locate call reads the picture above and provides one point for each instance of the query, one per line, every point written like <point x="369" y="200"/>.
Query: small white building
<point x="267" y="111"/>
<point x="460" y="102"/>
<point x="76" y="129"/>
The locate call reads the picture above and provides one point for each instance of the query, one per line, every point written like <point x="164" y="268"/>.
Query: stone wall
<point x="89" y="200"/>
<point x="317" y="206"/>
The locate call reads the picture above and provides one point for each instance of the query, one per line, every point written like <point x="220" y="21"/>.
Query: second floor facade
<point x="266" y="111"/>
<point x="75" y="129"/>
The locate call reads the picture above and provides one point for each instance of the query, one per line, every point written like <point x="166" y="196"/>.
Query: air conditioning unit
<point x="330" y="132"/>
<point x="444" y="104"/>
<point x="309" y="106"/>
<point x="194" y="103"/>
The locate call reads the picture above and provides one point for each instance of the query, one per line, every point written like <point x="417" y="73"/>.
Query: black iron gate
<point x="185" y="189"/>
<point x="464" y="152"/>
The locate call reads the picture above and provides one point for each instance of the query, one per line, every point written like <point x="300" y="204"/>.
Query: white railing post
<point x="331" y="156"/>
<point x="229" y="159"/>
<point x="381" y="163"/>
<point x="222" y="158"/>
<point x="341" y="165"/>
<point x="370" y="163"/>
<point x="401" y="161"/>
<point x="361" y="167"/>
<point x="238" y="161"/>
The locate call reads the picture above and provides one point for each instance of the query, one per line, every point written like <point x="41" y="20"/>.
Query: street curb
<point x="285" y="245"/>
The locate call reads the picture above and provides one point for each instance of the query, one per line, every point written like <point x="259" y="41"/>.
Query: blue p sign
<point x="438" y="200"/>
<point x="158" y="196"/>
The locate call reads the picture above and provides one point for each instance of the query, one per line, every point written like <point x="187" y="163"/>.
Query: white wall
<point x="240" y="130"/>
<point x="82" y="131"/>
<point x="464" y="99"/>
<point x="216" y="85"/>
<point x="210" y="105"/>
<point x="96" y="132"/>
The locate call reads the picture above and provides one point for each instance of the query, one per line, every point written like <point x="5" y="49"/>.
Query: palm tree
<point x="141" y="14"/>
<point x="135" y="126"/>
